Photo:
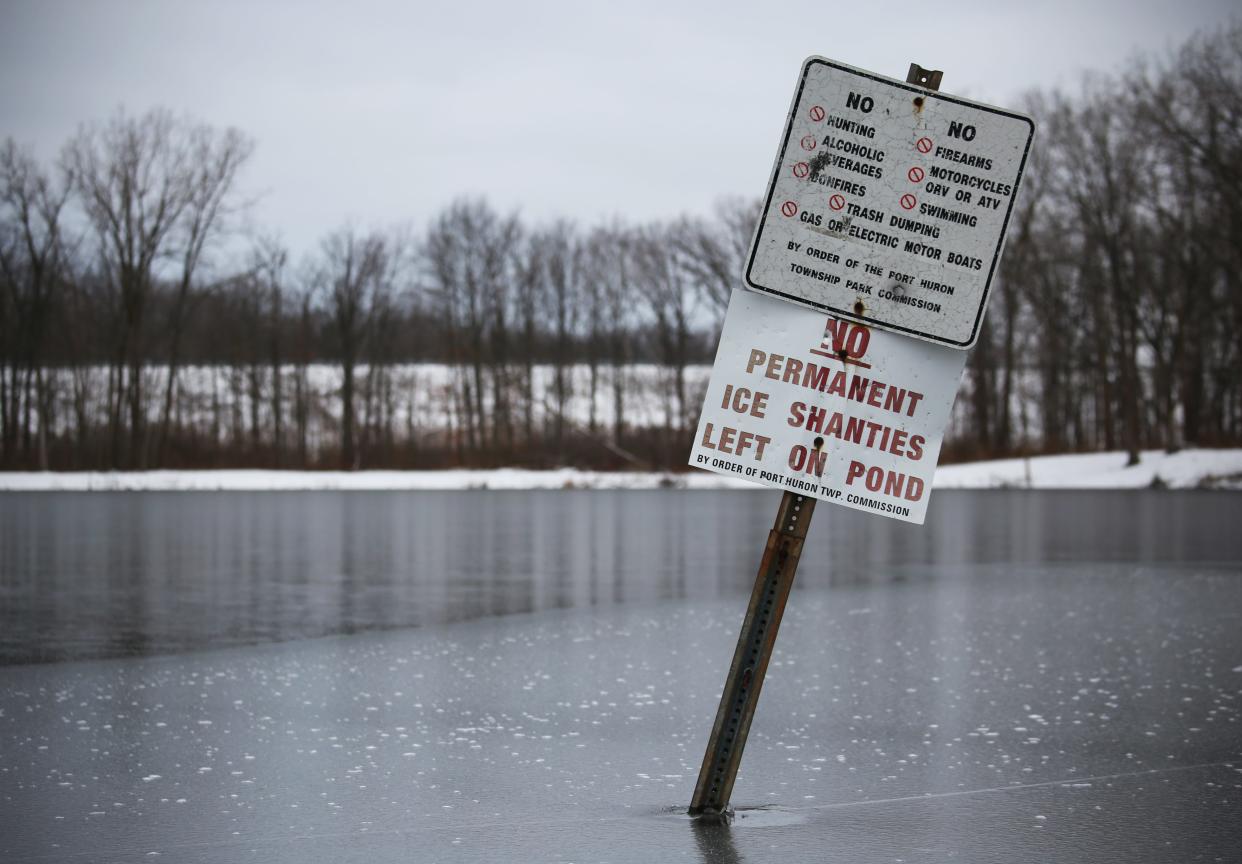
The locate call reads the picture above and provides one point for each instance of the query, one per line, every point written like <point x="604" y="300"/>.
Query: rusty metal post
<point x="750" y="658"/>
<point x="763" y="620"/>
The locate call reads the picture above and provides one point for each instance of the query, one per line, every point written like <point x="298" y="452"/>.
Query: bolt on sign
<point x="826" y="407"/>
<point x="888" y="203"/>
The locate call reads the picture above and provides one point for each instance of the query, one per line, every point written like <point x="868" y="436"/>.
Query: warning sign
<point x="826" y="407"/>
<point x="900" y="199"/>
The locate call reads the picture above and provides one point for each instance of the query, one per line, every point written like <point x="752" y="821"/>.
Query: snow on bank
<point x="1187" y="469"/>
<point x="1219" y="469"/>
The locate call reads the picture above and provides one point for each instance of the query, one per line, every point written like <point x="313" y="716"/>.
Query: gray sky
<point x="383" y="113"/>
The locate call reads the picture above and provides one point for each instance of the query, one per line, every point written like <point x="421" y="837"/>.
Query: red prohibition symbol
<point x="809" y="142"/>
<point x="801" y="169"/>
<point x="789" y="208"/>
<point x="915" y="174"/>
<point x="908" y="201"/>
<point x="924" y="145"/>
<point x="817" y="113"/>
<point x="836" y="202"/>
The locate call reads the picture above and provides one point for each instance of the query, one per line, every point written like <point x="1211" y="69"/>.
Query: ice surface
<point x="978" y="712"/>
<point x="99" y="574"/>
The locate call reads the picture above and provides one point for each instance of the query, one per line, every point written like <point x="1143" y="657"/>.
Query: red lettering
<point x="795" y="414"/>
<point x="774" y="367"/>
<point x="916" y="446"/>
<point x="793" y="367"/>
<point x="893" y="483"/>
<point x="834" y="425"/>
<point x="894" y="398"/>
<point x="855" y="471"/>
<point x="848" y="337"/>
<point x="815" y="418"/>
<point x="707" y="437"/>
<point x="898" y="444"/>
<point x="877" y="391"/>
<point x="914" y="492"/>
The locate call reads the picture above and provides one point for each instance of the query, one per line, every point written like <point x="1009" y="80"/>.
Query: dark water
<point x="86" y="575"/>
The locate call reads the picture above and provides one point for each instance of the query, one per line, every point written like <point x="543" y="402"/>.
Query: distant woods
<point x="1117" y="317"/>
<point x="140" y="328"/>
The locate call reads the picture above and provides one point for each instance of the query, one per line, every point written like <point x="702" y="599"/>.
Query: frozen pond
<point x="1031" y="677"/>
<point x="113" y="574"/>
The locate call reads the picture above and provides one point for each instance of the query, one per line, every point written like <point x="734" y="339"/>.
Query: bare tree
<point x="215" y="159"/>
<point x="268" y="262"/>
<point x="304" y="330"/>
<point x="667" y="291"/>
<point x="616" y="320"/>
<point x="621" y="324"/>
<point x="528" y="299"/>
<point x="562" y="267"/>
<point x="1192" y="110"/>
<point x="713" y="252"/>
<point x="152" y="187"/>
<point x="355" y="277"/>
<point x="31" y="260"/>
<point x="469" y="255"/>
<point x="611" y="256"/>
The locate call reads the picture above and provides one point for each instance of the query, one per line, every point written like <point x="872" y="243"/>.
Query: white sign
<point x="888" y="203"/>
<point x="826" y="407"/>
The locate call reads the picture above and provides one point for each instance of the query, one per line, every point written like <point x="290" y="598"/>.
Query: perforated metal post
<point x="750" y="658"/>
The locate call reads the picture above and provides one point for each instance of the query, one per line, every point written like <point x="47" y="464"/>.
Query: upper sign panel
<point x="889" y="203"/>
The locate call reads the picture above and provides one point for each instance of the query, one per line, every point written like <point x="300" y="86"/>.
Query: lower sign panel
<point x="802" y="401"/>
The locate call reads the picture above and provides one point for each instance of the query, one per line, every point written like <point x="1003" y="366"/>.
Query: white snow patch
<point x="1185" y="469"/>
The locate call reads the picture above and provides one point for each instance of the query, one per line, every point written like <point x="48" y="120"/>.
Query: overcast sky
<point x="383" y="113"/>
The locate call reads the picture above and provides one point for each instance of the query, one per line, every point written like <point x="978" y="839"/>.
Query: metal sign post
<point x="762" y="622"/>
<point x="750" y="658"/>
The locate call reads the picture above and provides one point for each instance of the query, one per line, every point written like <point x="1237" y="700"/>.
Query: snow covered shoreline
<point x="1186" y="469"/>
<point x="1218" y="469"/>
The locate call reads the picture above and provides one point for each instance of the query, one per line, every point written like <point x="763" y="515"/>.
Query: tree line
<point x="140" y="328"/>
<point x="1116" y="321"/>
